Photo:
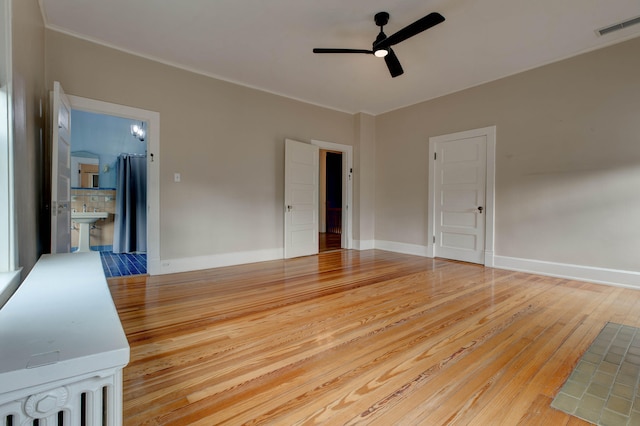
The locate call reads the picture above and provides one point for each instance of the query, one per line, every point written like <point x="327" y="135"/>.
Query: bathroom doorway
<point x="104" y="148"/>
<point x="117" y="122"/>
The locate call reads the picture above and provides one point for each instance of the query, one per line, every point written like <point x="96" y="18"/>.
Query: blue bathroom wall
<point x="107" y="136"/>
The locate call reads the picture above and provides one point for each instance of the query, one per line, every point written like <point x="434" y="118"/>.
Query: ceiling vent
<point x="618" y="26"/>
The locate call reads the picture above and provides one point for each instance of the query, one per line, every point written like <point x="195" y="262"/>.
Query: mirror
<point x="85" y="170"/>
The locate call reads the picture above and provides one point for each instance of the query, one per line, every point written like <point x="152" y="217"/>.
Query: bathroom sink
<point x="84" y="219"/>
<point x="88" y="217"/>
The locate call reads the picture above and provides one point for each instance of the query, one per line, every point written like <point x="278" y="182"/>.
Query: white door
<point x="60" y="171"/>
<point x="300" y="199"/>
<point x="460" y="187"/>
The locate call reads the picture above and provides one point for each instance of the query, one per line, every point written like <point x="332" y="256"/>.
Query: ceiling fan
<point x="382" y="44"/>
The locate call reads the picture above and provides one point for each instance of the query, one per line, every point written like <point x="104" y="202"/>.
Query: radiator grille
<point x="95" y="401"/>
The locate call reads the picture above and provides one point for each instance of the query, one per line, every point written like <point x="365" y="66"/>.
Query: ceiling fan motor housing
<point x="381" y="18"/>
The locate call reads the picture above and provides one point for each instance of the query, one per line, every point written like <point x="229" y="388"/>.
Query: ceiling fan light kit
<point x="381" y="53"/>
<point x="382" y="44"/>
<point x="381" y="19"/>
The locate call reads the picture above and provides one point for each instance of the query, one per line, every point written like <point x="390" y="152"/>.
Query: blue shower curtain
<point x="130" y="223"/>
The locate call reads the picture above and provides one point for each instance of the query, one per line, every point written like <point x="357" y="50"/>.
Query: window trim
<point x="9" y="271"/>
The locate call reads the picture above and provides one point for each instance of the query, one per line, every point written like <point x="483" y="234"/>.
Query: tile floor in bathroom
<point x="123" y="264"/>
<point x="120" y="264"/>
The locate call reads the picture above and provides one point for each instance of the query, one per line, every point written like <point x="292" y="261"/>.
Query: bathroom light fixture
<point x="137" y="131"/>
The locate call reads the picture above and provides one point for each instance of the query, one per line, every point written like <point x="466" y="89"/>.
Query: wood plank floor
<point x="357" y="337"/>
<point x="329" y="241"/>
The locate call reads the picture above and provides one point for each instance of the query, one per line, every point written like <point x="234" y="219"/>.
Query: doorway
<point x="330" y="235"/>
<point x="302" y="198"/>
<point x="150" y="120"/>
<point x="108" y="174"/>
<point x="335" y="196"/>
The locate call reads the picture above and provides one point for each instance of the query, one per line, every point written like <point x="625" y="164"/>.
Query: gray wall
<point x="364" y="180"/>
<point x="567" y="161"/>
<point x="28" y="90"/>
<point x="226" y="140"/>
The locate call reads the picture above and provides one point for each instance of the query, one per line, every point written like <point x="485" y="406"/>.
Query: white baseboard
<point x="364" y="244"/>
<point x="404" y="248"/>
<point x="630" y="279"/>
<point x="171" y="266"/>
<point x="614" y="277"/>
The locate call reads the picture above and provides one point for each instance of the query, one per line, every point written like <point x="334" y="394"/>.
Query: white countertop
<point x="60" y="323"/>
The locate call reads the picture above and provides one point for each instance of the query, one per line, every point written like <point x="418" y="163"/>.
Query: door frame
<point x="347" y="188"/>
<point x="489" y="216"/>
<point x="153" y="166"/>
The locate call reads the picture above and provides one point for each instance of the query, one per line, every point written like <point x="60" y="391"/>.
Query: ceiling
<point x="268" y="44"/>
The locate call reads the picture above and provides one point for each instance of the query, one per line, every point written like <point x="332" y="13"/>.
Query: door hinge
<point x="434" y="239"/>
<point x="435" y="155"/>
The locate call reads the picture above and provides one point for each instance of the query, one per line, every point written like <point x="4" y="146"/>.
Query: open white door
<point x="60" y="171"/>
<point x="301" y="199"/>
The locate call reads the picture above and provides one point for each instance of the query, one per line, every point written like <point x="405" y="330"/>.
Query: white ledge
<point x="60" y="323"/>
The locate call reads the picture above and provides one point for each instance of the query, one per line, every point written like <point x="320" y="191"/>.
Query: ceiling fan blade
<point x="393" y="64"/>
<point x="342" y="51"/>
<point x="422" y="24"/>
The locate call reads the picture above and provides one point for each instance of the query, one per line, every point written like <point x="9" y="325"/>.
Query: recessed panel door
<point x="460" y="199"/>
<point x="301" y="199"/>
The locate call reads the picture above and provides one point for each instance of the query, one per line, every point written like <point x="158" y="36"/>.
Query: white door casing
<point x="60" y="171"/>
<point x="301" y="185"/>
<point x="461" y="195"/>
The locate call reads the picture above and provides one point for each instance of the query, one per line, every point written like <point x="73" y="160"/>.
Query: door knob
<point x="289" y="208"/>
<point x="480" y="208"/>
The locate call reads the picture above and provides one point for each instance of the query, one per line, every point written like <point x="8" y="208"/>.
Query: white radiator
<point x="91" y="401"/>
<point x="62" y="347"/>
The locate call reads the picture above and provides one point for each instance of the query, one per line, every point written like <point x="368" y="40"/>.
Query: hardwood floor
<point x="329" y="241"/>
<point x="357" y="337"/>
